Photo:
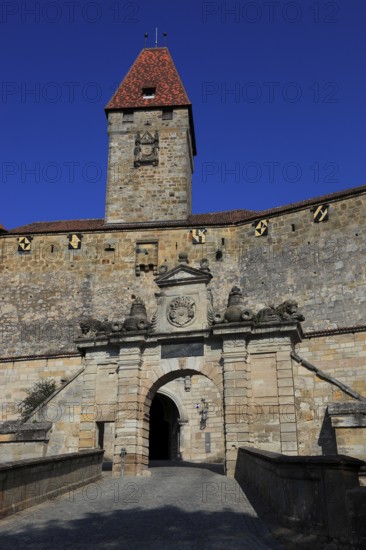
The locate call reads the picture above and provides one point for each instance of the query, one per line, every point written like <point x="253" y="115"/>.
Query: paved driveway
<point x="176" y="508"/>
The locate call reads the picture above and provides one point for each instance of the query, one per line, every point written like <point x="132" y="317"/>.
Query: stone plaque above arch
<point x="184" y="301"/>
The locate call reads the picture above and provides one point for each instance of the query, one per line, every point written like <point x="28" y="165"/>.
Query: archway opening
<point x="164" y="429"/>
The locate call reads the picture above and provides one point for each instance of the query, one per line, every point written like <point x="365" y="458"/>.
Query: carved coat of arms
<point x="181" y="311"/>
<point x="146" y="149"/>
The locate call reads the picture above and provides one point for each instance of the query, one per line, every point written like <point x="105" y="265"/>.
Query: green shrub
<point x="35" y="396"/>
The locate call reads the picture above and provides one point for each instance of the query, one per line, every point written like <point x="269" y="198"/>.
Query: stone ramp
<point x="176" y="508"/>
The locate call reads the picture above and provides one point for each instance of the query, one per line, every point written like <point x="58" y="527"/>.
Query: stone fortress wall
<point x="46" y="292"/>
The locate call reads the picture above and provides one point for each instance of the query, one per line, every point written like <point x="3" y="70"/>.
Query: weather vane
<point x="146" y="36"/>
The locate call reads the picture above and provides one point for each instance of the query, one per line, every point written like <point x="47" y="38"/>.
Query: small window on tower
<point x="127" y="116"/>
<point x="148" y="93"/>
<point x="167" y="114"/>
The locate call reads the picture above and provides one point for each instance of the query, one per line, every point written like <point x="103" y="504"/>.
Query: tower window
<point x="127" y="116"/>
<point x="167" y="114"/>
<point x="148" y="93"/>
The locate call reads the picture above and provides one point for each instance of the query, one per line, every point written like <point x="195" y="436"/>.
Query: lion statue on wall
<point x="287" y="311"/>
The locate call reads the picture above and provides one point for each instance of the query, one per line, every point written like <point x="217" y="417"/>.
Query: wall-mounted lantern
<point x="122" y="454"/>
<point x="203" y="411"/>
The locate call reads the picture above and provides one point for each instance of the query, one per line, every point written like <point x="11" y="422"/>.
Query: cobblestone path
<point x="176" y="508"/>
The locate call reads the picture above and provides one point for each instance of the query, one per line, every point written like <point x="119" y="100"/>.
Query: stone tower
<point x="151" y="144"/>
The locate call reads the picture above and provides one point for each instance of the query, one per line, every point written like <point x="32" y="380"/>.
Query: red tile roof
<point x="62" y="226"/>
<point x="331" y="331"/>
<point x="229" y="217"/>
<point x="2" y="229"/>
<point x="315" y="200"/>
<point x="154" y="68"/>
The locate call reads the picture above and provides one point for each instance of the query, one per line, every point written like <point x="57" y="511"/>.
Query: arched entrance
<point x="164" y="429"/>
<point x="134" y="436"/>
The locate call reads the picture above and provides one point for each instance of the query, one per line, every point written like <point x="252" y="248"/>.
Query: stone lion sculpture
<point x="268" y="315"/>
<point x="287" y="311"/>
<point x="90" y="327"/>
<point x="93" y="327"/>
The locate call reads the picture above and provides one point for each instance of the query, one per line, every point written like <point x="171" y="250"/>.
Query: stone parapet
<point x="29" y="482"/>
<point x="311" y="494"/>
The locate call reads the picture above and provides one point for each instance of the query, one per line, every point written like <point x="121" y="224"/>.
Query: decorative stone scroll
<point x="236" y="310"/>
<point x="137" y="320"/>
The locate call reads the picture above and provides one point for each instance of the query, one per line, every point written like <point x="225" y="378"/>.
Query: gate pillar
<point x="129" y="414"/>
<point x="234" y="358"/>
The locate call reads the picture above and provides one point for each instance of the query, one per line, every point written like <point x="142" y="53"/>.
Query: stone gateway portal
<point x="185" y="385"/>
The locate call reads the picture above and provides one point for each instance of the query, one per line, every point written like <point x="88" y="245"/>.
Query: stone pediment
<point x="183" y="275"/>
<point x="184" y="301"/>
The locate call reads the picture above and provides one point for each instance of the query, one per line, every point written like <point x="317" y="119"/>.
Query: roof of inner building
<point x="229" y="217"/>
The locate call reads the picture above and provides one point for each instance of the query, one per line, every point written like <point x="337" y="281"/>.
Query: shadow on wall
<point x="327" y="437"/>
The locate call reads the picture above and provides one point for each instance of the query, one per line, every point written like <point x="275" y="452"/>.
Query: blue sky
<point x="278" y="92"/>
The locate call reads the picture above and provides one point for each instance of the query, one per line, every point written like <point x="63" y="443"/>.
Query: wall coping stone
<point x="357" y="407"/>
<point x="14" y="426"/>
<point x="330" y="461"/>
<point x="25" y="463"/>
<point x="260" y="329"/>
<point x="37" y="431"/>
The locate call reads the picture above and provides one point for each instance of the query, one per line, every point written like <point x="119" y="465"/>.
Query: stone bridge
<point x="177" y="507"/>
